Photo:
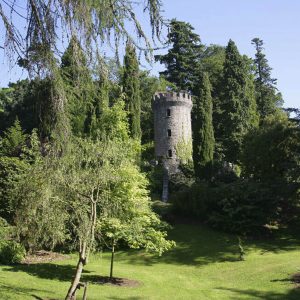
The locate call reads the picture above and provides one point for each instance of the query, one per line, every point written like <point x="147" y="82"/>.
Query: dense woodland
<point x="77" y="143"/>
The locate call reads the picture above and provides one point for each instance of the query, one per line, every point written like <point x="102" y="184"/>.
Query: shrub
<point x="243" y="207"/>
<point x="11" y="252"/>
<point x="239" y="207"/>
<point x="192" y="201"/>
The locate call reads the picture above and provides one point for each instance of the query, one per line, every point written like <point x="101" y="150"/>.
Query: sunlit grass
<point x="204" y="265"/>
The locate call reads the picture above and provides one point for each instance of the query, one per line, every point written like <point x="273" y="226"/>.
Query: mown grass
<point x="204" y="265"/>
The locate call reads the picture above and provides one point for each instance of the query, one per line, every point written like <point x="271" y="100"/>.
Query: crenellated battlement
<point x="182" y="96"/>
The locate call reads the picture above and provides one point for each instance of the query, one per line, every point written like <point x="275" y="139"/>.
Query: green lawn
<point x="203" y="266"/>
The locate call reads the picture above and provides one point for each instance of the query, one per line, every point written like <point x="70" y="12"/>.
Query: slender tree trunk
<point x="84" y="252"/>
<point x="81" y="263"/>
<point x="112" y="259"/>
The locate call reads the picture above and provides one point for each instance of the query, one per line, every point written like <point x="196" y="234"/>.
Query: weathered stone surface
<point x="172" y="125"/>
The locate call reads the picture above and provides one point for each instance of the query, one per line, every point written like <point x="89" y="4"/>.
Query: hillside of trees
<point x="76" y="141"/>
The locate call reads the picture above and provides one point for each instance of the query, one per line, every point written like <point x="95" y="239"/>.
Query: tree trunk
<point x="81" y="263"/>
<point x="112" y="259"/>
<point x="84" y="252"/>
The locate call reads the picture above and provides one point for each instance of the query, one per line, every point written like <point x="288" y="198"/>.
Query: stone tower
<point x="172" y="127"/>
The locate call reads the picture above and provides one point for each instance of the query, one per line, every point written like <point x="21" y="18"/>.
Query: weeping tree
<point x="35" y="43"/>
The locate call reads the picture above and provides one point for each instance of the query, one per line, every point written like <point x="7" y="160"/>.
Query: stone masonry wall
<point x="177" y="121"/>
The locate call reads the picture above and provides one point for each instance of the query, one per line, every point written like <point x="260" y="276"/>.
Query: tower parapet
<point x="172" y="126"/>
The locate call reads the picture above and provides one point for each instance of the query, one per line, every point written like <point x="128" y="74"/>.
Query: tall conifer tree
<point x="79" y="85"/>
<point x="267" y="97"/>
<point x="237" y="106"/>
<point x="203" y="132"/>
<point x="131" y="87"/>
<point x="182" y="60"/>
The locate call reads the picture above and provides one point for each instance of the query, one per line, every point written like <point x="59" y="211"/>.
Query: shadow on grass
<point x="293" y="294"/>
<point x="198" y="245"/>
<point x="47" y="271"/>
<point x="6" y="289"/>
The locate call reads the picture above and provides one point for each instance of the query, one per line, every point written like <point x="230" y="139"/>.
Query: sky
<point x="276" y="22"/>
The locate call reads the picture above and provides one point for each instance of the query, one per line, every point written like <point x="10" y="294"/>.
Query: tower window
<point x="170" y="153"/>
<point x="169" y="132"/>
<point x="168" y="112"/>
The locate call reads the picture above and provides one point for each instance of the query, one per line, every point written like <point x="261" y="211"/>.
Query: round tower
<point x="172" y="127"/>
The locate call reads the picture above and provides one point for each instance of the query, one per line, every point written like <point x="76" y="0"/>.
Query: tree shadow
<point x="194" y="246"/>
<point x="282" y="240"/>
<point x="293" y="294"/>
<point x="198" y="245"/>
<point x="47" y="271"/>
<point x="6" y="288"/>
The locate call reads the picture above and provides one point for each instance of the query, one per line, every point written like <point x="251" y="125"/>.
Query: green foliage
<point x="14" y="161"/>
<point x="243" y="207"/>
<point x="28" y="102"/>
<point x="182" y="60"/>
<point x="131" y="88"/>
<point x="112" y="123"/>
<point x="5" y="98"/>
<point x="40" y="213"/>
<point x="237" y="107"/>
<point x="128" y="215"/>
<point x="271" y="153"/>
<point x="212" y="63"/>
<point x="267" y="97"/>
<point x="13" y="141"/>
<point x="11" y="252"/>
<point x="203" y="132"/>
<point x="192" y="201"/>
<point x="79" y="86"/>
<point x="148" y="86"/>
<point x="241" y="249"/>
<point x="184" y="151"/>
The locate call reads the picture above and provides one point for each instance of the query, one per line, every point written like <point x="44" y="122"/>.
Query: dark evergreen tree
<point x="203" y="132"/>
<point x="268" y="99"/>
<point x="131" y="88"/>
<point x="236" y="112"/>
<point x="99" y="103"/>
<point x="182" y="60"/>
<point x="78" y="84"/>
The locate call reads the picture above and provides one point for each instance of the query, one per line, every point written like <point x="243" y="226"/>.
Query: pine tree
<point x="237" y="107"/>
<point x="131" y="88"/>
<point x="182" y="60"/>
<point x="203" y="132"/>
<point x="268" y="99"/>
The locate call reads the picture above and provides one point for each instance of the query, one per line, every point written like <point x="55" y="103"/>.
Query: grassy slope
<point x="203" y="266"/>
